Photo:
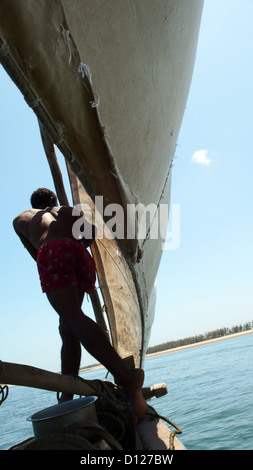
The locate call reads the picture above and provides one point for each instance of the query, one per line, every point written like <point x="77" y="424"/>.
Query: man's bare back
<point x="41" y="225"/>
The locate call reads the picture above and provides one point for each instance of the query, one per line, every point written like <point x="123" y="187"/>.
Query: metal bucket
<point x="55" y="418"/>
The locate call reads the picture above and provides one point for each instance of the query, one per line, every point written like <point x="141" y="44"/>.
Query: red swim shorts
<point x="64" y="262"/>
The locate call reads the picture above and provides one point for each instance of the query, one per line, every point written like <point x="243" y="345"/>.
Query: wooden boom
<point x="29" y="376"/>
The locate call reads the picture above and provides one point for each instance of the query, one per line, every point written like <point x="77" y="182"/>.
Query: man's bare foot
<point x="133" y="389"/>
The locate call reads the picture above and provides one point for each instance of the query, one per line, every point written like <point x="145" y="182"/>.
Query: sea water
<point x="210" y="395"/>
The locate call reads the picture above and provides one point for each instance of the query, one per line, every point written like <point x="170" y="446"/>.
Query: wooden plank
<point x="154" y="434"/>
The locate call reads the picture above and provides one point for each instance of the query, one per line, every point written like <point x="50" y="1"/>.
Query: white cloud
<point x="201" y="158"/>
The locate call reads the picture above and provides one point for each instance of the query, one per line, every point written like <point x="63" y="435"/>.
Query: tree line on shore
<point x="201" y="337"/>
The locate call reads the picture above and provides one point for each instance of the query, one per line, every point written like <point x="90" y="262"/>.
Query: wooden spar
<point x="54" y="166"/>
<point x="29" y="376"/>
<point x="98" y="312"/>
<point x="157" y="390"/>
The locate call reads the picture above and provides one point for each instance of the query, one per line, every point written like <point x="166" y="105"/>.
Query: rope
<point x="103" y="389"/>
<point x="172" y="433"/>
<point x="113" y="415"/>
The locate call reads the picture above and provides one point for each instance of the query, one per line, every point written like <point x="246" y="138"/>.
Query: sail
<point x="109" y="80"/>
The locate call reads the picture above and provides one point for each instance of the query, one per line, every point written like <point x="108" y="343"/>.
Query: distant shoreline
<point x="179" y="348"/>
<point x="168" y="351"/>
<point x="200" y="343"/>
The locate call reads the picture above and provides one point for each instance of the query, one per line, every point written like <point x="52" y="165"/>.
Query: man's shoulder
<point x="24" y="216"/>
<point x="28" y="213"/>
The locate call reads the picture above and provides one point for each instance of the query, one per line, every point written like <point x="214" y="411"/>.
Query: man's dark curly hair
<point x="42" y="198"/>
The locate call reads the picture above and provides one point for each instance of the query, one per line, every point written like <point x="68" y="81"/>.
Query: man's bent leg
<point x="70" y="356"/>
<point x="70" y="352"/>
<point x="94" y="340"/>
<point x="71" y="348"/>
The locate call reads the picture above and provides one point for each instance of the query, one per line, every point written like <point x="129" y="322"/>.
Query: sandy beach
<point x="200" y="343"/>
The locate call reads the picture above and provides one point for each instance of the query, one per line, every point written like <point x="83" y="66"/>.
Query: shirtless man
<point x="66" y="271"/>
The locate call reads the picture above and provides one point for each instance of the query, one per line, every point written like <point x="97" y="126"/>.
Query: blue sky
<point x="207" y="282"/>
